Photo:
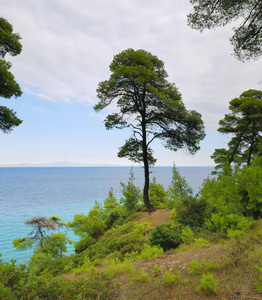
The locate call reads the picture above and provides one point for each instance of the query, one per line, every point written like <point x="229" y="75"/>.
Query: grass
<point x="206" y="268"/>
<point x="170" y="276"/>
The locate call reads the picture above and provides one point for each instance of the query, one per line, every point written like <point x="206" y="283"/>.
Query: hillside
<point x="177" y="273"/>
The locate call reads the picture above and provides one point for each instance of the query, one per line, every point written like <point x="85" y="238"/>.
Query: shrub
<point x="142" y="277"/>
<point x="241" y="247"/>
<point x="208" y="285"/>
<point x="187" y="235"/>
<point x="150" y="252"/>
<point x="117" y="267"/>
<point x="166" y="236"/>
<point x="142" y="228"/>
<point x="119" y="239"/>
<point x="91" y="224"/>
<point x="83" y="244"/>
<point x="192" y="212"/>
<point x="157" y="271"/>
<point x="170" y="278"/>
<point x="228" y="223"/>
<point x="198" y="268"/>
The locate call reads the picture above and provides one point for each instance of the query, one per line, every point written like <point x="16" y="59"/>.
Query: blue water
<point x="64" y="192"/>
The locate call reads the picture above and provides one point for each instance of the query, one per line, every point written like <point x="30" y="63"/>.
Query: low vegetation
<point x="194" y="246"/>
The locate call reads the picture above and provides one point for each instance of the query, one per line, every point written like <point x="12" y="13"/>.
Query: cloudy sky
<point x="67" y="48"/>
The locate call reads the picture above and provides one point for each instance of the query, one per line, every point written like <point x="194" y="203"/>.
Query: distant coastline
<point x="75" y="165"/>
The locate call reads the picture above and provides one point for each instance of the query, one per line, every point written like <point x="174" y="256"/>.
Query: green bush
<point x="146" y="253"/>
<point x="141" y="276"/>
<point x="228" y="223"/>
<point x="208" y="285"/>
<point x="192" y="212"/>
<point x="169" y="278"/>
<point x="119" y="239"/>
<point x="83" y="244"/>
<point x="91" y="224"/>
<point x="166" y="236"/>
<point x="187" y="235"/>
<point x="198" y="268"/>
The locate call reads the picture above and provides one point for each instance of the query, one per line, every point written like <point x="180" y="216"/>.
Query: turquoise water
<point x="64" y="192"/>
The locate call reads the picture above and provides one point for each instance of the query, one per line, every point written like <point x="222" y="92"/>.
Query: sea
<point x="65" y="191"/>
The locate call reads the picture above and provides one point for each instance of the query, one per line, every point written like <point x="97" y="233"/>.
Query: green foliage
<point x="143" y="228"/>
<point x="41" y="226"/>
<point x="23" y="243"/>
<point x="157" y="193"/>
<point x="244" y="124"/>
<point x="8" y="118"/>
<point x="91" y="224"/>
<point x="241" y="246"/>
<point x="166" y="236"/>
<point x="170" y="278"/>
<point x="47" y="287"/>
<point x="112" y="210"/>
<point x="87" y="267"/>
<point x="208" y="285"/>
<point x="247" y="34"/>
<point x="141" y="276"/>
<point x="10" y="277"/>
<point x="228" y="223"/>
<point x="131" y="194"/>
<point x="157" y="271"/>
<point x="116" y="267"/>
<point x="192" y="212"/>
<point x="149" y="252"/>
<point x="151" y="106"/>
<point x="199" y="268"/>
<point x="5" y="293"/>
<point x="84" y="243"/>
<point x="9" y="43"/>
<point x="57" y="221"/>
<point x="119" y="240"/>
<point x="187" y="235"/>
<point x="55" y="244"/>
<point x="250" y="183"/>
<point x="178" y="188"/>
<point x="201" y="243"/>
<point x="234" y="200"/>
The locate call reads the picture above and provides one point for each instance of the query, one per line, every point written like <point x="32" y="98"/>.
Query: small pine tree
<point x="131" y="194"/>
<point x="111" y="210"/>
<point x="179" y="187"/>
<point x="157" y="193"/>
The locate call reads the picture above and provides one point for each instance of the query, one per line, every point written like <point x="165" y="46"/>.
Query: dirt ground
<point x="155" y="218"/>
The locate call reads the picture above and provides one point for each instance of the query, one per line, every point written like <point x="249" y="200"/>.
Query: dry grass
<point x="155" y="218"/>
<point x="235" y="281"/>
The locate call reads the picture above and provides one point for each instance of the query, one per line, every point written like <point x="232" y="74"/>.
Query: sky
<point x="67" y="48"/>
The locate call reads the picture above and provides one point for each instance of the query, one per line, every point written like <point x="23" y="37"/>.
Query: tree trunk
<point x="251" y="148"/>
<point x="149" y="206"/>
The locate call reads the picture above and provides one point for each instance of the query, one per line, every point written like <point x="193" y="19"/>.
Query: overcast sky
<point x="67" y="48"/>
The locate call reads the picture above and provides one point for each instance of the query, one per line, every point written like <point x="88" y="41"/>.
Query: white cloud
<point x="68" y="46"/>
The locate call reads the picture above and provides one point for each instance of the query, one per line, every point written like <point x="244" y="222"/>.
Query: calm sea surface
<point x="64" y="192"/>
